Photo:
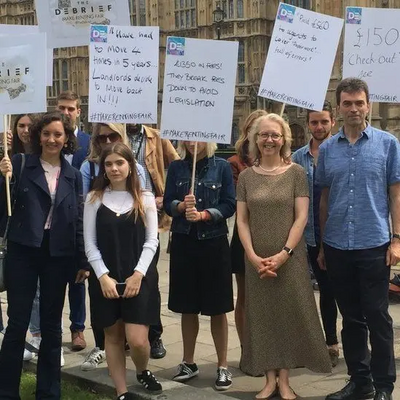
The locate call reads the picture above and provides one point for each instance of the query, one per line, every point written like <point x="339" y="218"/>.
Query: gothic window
<point x="300" y="3"/>
<point x="241" y="74"/>
<point x="233" y="9"/>
<point x="185" y="14"/>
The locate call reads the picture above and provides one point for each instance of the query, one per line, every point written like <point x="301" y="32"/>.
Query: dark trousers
<point x="1" y="319"/>
<point x="77" y="306"/>
<point x="24" y="265"/>
<point x="361" y="282"/>
<point x="327" y="302"/>
<point x="155" y="331"/>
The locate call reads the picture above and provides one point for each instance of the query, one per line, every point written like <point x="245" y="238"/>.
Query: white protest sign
<point x="12" y="30"/>
<point x="23" y="74"/>
<point x="300" y="57"/>
<point x="372" y="51"/>
<point x="123" y="74"/>
<point x="199" y="90"/>
<point x="67" y="22"/>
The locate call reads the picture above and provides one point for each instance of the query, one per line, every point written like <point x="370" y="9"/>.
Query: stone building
<point x="250" y="22"/>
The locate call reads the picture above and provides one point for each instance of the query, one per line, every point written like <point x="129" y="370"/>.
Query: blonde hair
<point x="285" y="151"/>
<point x="242" y="144"/>
<point x="210" y="147"/>
<point x="95" y="148"/>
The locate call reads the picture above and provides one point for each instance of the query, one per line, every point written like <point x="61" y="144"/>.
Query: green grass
<point x="68" y="391"/>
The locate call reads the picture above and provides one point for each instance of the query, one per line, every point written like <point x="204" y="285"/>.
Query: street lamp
<point x="218" y="15"/>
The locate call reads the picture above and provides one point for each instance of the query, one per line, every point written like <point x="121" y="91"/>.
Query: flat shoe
<point x="270" y="396"/>
<point x="285" y="398"/>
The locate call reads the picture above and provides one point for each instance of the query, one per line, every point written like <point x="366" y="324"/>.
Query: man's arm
<point x="323" y="216"/>
<point x="393" y="253"/>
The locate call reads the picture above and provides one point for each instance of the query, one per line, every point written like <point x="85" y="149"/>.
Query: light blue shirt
<point x="358" y="177"/>
<point x="85" y="171"/>
<point x="304" y="158"/>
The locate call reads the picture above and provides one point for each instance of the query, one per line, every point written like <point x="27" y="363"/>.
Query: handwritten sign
<point x="12" y="30"/>
<point x="199" y="90"/>
<point x="67" y="22"/>
<point x="23" y="74"/>
<point x="300" y="57"/>
<point x="123" y="78"/>
<point x="372" y="51"/>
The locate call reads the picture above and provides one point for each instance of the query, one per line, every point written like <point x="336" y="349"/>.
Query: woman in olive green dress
<point x="282" y="328"/>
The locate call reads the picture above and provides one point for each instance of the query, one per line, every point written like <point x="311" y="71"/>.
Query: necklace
<point x="268" y="170"/>
<point x="121" y="207"/>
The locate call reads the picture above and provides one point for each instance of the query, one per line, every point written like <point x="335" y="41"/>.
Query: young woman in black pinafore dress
<point x="120" y="228"/>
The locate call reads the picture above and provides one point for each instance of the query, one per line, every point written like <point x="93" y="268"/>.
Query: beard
<point x="320" y="136"/>
<point x="133" y="129"/>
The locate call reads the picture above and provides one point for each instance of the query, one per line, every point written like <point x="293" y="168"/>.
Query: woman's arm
<point x="151" y="241"/>
<point x="226" y="206"/>
<point x="90" y="236"/>
<point x="85" y="171"/>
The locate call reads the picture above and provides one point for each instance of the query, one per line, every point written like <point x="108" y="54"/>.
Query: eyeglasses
<point x="274" y="136"/>
<point x="113" y="137"/>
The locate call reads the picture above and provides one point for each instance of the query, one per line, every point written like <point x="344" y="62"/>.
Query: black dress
<point x="120" y="240"/>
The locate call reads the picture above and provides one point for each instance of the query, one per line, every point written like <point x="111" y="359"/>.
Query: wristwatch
<point x="289" y="251"/>
<point x="396" y="236"/>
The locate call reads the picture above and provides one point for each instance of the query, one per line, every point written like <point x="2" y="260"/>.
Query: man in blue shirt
<point x="359" y="173"/>
<point x="320" y="126"/>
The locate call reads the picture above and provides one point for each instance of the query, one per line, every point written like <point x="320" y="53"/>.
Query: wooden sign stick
<point x="282" y="109"/>
<point x="8" y="176"/>
<point x="194" y="168"/>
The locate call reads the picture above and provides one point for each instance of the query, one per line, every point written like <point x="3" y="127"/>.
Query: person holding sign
<point x="239" y="162"/>
<point x="320" y="125"/>
<point x="200" y="268"/>
<point x="120" y="229"/>
<point x="282" y="327"/>
<point x="359" y="173"/>
<point x="45" y="242"/>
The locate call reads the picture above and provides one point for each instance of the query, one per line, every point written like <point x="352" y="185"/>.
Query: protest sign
<point x="372" y="51"/>
<point x="23" y="74"/>
<point x="123" y="74"/>
<point x="67" y="22"/>
<point x="300" y="57"/>
<point x="199" y="89"/>
<point x="12" y="30"/>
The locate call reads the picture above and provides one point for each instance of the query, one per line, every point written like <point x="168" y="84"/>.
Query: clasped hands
<point x="268" y="267"/>
<point x="132" y="289"/>
<point x="188" y="206"/>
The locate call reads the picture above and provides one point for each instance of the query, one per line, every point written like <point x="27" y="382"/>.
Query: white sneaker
<point x="93" y="359"/>
<point x="34" y="343"/>
<point x="62" y="362"/>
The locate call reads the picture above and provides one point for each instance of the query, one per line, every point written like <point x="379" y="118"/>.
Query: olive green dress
<point x="282" y="327"/>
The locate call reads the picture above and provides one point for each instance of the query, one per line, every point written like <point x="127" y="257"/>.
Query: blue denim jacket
<point x="304" y="158"/>
<point x="214" y="191"/>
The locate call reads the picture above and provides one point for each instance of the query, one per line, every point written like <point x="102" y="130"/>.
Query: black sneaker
<point x="185" y="372"/>
<point x="149" y="381"/>
<point x="224" y="379"/>
<point x="157" y="349"/>
<point x="125" y="396"/>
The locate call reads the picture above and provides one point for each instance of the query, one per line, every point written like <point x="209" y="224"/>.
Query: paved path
<point x="310" y="386"/>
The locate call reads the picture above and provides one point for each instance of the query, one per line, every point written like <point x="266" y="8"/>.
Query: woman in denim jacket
<point x="200" y="269"/>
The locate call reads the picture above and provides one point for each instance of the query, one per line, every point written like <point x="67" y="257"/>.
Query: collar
<point x="76" y="131"/>
<point x="367" y="132"/>
<point x="33" y="160"/>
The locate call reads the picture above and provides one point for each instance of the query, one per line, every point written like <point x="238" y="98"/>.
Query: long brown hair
<point x="132" y="181"/>
<point x="242" y="144"/>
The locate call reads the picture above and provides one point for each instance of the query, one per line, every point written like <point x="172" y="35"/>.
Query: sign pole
<point x="370" y="113"/>
<point x="282" y="109"/>
<point x="194" y="168"/>
<point x="8" y="176"/>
